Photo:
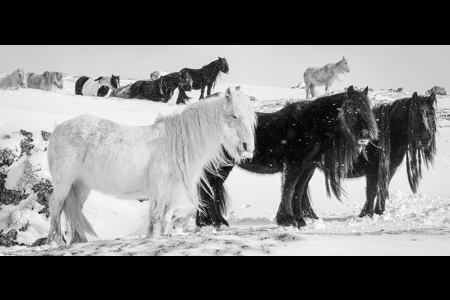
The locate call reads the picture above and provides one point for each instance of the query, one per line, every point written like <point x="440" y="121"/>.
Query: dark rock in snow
<point x="437" y="90"/>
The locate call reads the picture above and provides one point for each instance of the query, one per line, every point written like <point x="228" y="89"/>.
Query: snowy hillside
<point x="412" y="225"/>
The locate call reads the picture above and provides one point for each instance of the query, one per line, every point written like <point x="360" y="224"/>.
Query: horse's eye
<point x="234" y="116"/>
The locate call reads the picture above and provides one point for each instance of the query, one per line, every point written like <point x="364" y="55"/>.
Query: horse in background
<point x="156" y="74"/>
<point x="49" y="81"/>
<point x="407" y="128"/>
<point x="99" y="87"/>
<point x="206" y="76"/>
<point x="162" y="89"/>
<point x="17" y="79"/>
<point x="162" y="162"/>
<point x="332" y="130"/>
<point x="325" y="75"/>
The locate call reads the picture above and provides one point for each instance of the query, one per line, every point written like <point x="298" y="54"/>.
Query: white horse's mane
<point x="47" y="81"/>
<point x="11" y="80"/>
<point x="197" y="127"/>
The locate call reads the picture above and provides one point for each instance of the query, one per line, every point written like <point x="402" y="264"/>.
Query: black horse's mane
<point x="214" y="65"/>
<point x="337" y="159"/>
<point x="398" y="113"/>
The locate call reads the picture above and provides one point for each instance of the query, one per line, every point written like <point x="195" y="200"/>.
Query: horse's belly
<point x="90" y="88"/>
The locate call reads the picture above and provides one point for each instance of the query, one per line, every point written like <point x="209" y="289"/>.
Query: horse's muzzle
<point x="363" y="142"/>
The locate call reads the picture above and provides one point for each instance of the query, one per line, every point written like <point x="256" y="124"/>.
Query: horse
<point x="293" y="141"/>
<point x="156" y="74"/>
<point x="49" y="81"/>
<point x="206" y="76"/>
<point x="16" y="79"/>
<point x="162" y="162"/>
<point x="87" y="86"/>
<point x="407" y="128"/>
<point x="325" y="75"/>
<point x="161" y="89"/>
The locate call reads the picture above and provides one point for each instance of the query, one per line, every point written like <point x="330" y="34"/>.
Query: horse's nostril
<point x="245" y="146"/>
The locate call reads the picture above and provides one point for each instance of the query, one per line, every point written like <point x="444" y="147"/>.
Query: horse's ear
<point x="350" y="90"/>
<point x="228" y="95"/>
<point x="366" y="90"/>
<point x="432" y="98"/>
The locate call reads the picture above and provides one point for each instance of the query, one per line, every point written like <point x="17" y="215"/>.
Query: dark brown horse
<point x="206" y="76"/>
<point x="292" y="141"/>
<point x="407" y="128"/>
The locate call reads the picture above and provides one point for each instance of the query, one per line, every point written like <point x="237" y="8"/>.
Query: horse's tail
<point x="77" y="223"/>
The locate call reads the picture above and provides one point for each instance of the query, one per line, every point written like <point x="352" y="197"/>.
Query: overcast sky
<point x="413" y="67"/>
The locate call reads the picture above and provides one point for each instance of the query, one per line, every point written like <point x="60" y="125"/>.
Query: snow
<point x="413" y="224"/>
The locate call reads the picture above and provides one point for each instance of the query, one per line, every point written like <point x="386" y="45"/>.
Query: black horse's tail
<point x="79" y="84"/>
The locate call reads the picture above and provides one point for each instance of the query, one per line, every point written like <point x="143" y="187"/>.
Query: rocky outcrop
<point x="437" y="90"/>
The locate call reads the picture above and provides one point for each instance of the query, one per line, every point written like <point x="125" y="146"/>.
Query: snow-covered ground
<point x="412" y="225"/>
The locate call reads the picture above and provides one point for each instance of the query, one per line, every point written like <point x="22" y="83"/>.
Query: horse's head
<point x="357" y="118"/>
<point x="344" y="65"/>
<point x="185" y="81"/>
<point x="57" y="79"/>
<point x="422" y="121"/>
<point x="240" y="118"/>
<point x="115" y="82"/>
<point x="21" y="78"/>
<point x="223" y="65"/>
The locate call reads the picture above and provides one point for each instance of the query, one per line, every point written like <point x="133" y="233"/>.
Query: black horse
<point x="407" y="128"/>
<point x="206" y="76"/>
<point x="161" y="89"/>
<point x="293" y="141"/>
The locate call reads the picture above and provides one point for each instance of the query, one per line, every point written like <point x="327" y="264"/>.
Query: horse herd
<point x="181" y="162"/>
<point x="160" y="87"/>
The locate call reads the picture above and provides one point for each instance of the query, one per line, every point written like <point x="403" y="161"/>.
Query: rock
<point x="8" y="239"/>
<point x="25" y="144"/>
<point x="252" y="98"/>
<point x="44" y="190"/>
<point x="39" y="242"/>
<point x="46" y="135"/>
<point x="437" y="90"/>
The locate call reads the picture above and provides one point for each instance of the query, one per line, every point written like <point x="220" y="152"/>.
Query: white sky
<point x="413" y="67"/>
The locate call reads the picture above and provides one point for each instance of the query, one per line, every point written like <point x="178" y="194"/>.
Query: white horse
<point x="156" y="74"/>
<point x="162" y="162"/>
<point x="16" y="79"/>
<point x="49" y="81"/>
<point x="325" y="75"/>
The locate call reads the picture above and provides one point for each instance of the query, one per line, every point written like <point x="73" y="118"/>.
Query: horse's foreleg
<point x="213" y="207"/>
<point x="208" y="91"/>
<point x="285" y="214"/>
<point x="155" y="222"/>
<point x="371" y="192"/>
<point x="307" y="89"/>
<point x="201" y="93"/>
<point x="381" y="200"/>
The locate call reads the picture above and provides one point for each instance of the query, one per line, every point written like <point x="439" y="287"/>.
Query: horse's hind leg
<point x="312" y="89"/>
<point x="302" y="204"/>
<point x="56" y="203"/>
<point x="81" y="192"/>
<point x="201" y="93"/>
<point x="208" y="91"/>
<point x="380" y="204"/>
<point x="371" y="192"/>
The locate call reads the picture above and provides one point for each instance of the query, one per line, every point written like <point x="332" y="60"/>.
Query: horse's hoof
<point x="365" y="214"/>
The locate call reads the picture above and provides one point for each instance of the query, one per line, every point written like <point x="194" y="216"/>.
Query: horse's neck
<point x="337" y="68"/>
